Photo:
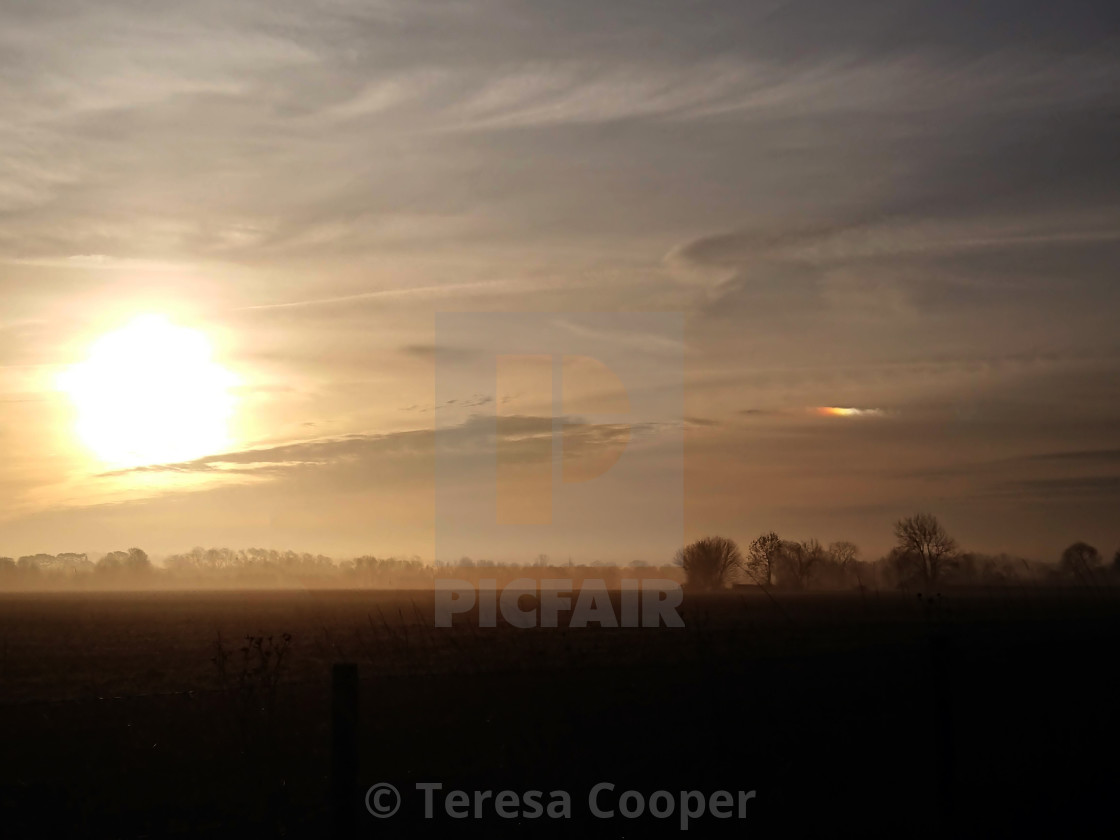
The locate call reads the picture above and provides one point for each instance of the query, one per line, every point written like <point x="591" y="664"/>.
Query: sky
<point x="907" y="208"/>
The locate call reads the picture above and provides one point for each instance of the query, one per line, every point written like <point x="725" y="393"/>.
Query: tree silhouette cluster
<point x="70" y="566"/>
<point x="710" y="562"/>
<point x="254" y="567"/>
<point x="924" y="558"/>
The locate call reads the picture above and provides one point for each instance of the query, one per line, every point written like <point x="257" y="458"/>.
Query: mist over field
<point x="925" y="558"/>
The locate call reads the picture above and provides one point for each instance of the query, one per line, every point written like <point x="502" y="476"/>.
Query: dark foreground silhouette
<point x="977" y="713"/>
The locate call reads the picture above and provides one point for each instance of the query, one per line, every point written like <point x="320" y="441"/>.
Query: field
<point x="983" y="712"/>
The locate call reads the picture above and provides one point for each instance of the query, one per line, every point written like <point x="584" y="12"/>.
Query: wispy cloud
<point x="478" y="433"/>
<point x="379" y="294"/>
<point x="1078" y="455"/>
<point x="1104" y="485"/>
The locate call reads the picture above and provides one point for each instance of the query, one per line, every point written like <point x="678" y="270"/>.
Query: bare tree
<point x="1080" y="560"/>
<point x="842" y="564"/>
<point x="709" y="563"/>
<point x="924" y="545"/>
<point x="762" y="557"/>
<point x="843" y="553"/>
<point x="798" y="561"/>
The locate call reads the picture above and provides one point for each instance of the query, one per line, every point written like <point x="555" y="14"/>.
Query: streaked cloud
<point x="478" y="433"/>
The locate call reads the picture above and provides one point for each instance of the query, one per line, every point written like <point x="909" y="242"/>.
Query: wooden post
<point x="344" y="750"/>
<point x="941" y="651"/>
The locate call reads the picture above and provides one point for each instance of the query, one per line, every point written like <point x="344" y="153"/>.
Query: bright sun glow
<point x="150" y="393"/>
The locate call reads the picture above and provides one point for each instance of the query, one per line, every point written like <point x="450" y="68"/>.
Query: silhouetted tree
<point x="709" y="563"/>
<point x="31" y="564"/>
<point x="137" y="562"/>
<point x="840" y="566"/>
<point x="762" y="556"/>
<point x="71" y="563"/>
<point x="1080" y="560"/>
<point x="797" y="562"/>
<point x="843" y="553"/>
<point x="63" y="565"/>
<point x="1116" y="562"/>
<point x="112" y="563"/>
<point x="924" y="548"/>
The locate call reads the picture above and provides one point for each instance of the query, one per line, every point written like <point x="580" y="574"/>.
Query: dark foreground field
<point x="989" y="713"/>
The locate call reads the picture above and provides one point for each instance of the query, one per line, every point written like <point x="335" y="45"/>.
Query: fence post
<point x="344" y="750"/>
<point x="941" y="652"/>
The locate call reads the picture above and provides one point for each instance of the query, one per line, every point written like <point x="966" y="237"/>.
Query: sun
<point x="151" y="393"/>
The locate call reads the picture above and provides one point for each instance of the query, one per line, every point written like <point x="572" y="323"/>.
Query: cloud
<point x="477" y="434"/>
<point x="298" y="455"/>
<point x="346" y="128"/>
<point x="1083" y="455"/>
<point x="469" y="402"/>
<point x="446" y="354"/>
<point x="377" y="294"/>
<point x="1105" y="485"/>
<point x="622" y="333"/>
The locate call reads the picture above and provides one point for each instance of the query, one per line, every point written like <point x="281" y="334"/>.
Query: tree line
<point x="924" y="557"/>
<point x="263" y="567"/>
<point x="131" y="563"/>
